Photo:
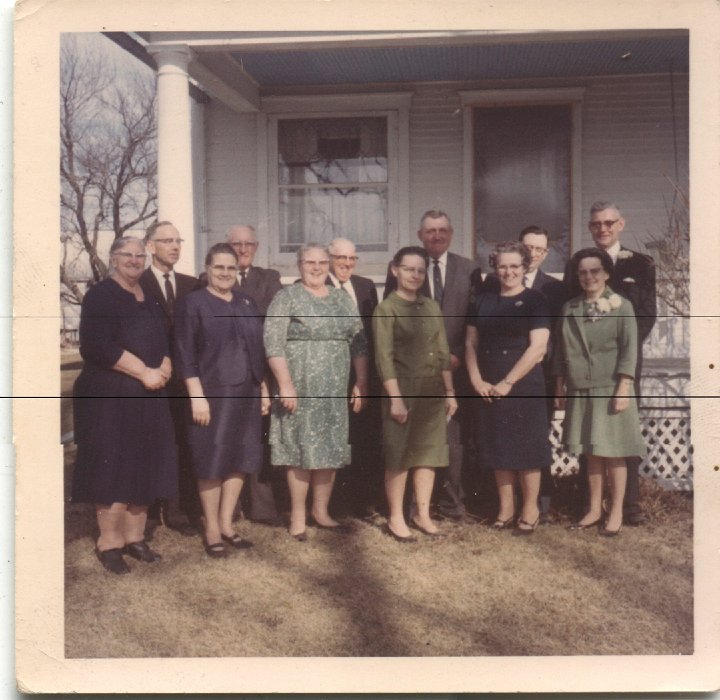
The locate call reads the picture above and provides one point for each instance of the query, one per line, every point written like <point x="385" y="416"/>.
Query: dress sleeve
<point x="276" y="324"/>
<point x="627" y="340"/>
<point x="383" y="323"/>
<point x="186" y="329"/>
<point x="539" y="316"/>
<point x="99" y="329"/>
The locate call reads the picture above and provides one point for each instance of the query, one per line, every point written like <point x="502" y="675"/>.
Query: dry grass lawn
<point x="475" y="593"/>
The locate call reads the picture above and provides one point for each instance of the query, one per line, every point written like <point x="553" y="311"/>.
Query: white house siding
<point x="231" y="184"/>
<point x="436" y="158"/>
<point x="628" y="151"/>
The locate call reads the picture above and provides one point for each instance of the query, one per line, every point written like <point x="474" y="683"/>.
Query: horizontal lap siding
<point x="231" y="180"/>
<point x="628" y="150"/>
<point x="436" y="148"/>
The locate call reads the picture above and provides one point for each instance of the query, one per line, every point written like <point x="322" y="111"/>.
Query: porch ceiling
<point x="293" y="67"/>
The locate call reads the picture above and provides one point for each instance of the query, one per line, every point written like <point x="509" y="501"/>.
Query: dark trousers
<point x="258" y="497"/>
<point x="186" y="508"/>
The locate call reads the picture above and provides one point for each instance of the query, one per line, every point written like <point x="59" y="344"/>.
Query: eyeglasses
<point x="598" y="225"/>
<point x="310" y="263"/>
<point x="345" y="258"/>
<point x="168" y="241"/>
<point x="536" y="249"/>
<point x="594" y="272"/>
<point x="223" y="268"/>
<point x="412" y="270"/>
<point x="508" y="268"/>
<point x="132" y="256"/>
<point x="244" y="244"/>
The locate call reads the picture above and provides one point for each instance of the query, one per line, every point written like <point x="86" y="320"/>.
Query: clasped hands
<point x="154" y="378"/>
<point x="491" y="392"/>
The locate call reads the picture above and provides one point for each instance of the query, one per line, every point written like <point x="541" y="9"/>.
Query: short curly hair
<point x="510" y="247"/>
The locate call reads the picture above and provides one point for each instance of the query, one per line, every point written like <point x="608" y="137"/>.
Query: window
<point x="333" y="180"/>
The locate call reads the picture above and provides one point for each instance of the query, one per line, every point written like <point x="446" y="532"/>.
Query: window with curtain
<point x="333" y="181"/>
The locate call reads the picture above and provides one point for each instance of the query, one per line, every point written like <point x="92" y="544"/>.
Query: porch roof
<point x="292" y="60"/>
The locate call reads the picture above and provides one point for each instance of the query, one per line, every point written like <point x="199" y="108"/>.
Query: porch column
<point x="175" y="181"/>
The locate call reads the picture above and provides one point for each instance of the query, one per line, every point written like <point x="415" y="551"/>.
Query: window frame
<point x="395" y="109"/>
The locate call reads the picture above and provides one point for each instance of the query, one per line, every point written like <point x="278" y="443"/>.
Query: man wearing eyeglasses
<point x="448" y="281"/>
<point x="261" y="285"/>
<point x="361" y="486"/>
<point x="166" y="287"/>
<point x="634" y="277"/>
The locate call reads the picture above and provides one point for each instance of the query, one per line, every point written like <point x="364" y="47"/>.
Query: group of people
<point x="184" y="378"/>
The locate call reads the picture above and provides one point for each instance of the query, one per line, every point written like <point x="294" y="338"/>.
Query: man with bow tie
<point x="634" y="277"/>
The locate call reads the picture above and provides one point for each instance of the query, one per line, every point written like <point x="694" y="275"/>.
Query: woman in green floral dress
<point x="311" y="333"/>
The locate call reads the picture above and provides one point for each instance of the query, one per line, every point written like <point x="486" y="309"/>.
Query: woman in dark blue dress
<point x="219" y="353"/>
<point x="126" y="454"/>
<point x="507" y="336"/>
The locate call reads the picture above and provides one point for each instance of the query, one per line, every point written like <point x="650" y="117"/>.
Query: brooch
<point x="518" y="303"/>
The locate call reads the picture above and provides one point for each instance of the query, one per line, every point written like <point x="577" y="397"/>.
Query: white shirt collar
<point x="613" y="251"/>
<point x="160" y="277"/>
<point x="530" y="276"/>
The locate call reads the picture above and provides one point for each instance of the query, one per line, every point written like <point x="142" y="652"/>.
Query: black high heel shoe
<point x="503" y="524"/>
<point x="523" y="531"/>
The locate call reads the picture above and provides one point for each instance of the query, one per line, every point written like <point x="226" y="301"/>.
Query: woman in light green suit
<point x="595" y="366"/>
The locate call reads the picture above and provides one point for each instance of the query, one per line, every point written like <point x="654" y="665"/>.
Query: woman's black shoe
<point x="112" y="560"/>
<point x="216" y="550"/>
<point x="236" y="541"/>
<point x="141" y="552"/>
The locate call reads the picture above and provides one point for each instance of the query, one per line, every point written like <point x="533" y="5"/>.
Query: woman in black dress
<point x="220" y="355"/>
<point x="506" y="340"/>
<point x="126" y="449"/>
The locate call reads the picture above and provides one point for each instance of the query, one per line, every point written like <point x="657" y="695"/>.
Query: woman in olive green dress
<point x="413" y="361"/>
<point x="595" y="364"/>
<point x="311" y="332"/>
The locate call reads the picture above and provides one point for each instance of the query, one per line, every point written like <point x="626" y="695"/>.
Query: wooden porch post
<point x="175" y="181"/>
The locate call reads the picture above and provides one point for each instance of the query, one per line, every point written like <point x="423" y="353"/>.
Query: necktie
<point x="437" y="282"/>
<point x="243" y="277"/>
<point x="344" y="288"/>
<point x="169" y="293"/>
<point x="526" y="280"/>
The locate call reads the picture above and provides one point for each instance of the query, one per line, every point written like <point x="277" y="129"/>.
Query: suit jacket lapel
<point x="450" y="278"/>
<point x="158" y="293"/>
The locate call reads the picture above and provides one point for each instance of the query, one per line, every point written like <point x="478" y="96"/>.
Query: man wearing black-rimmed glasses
<point x="162" y="284"/>
<point x="634" y="277"/>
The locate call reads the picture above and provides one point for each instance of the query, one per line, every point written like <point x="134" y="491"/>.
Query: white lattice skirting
<point x="667" y="436"/>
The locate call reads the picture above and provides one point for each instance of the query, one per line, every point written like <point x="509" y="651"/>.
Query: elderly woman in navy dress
<point x="126" y="449"/>
<point x="507" y="337"/>
<point x="220" y="356"/>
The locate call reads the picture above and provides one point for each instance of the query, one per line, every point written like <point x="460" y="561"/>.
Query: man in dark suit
<point x="536" y="240"/>
<point x="261" y="285"/>
<point x="633" y="277"/>
<point x="448" y="281"/>
<point x="360" y="487"/>
<point x="166" y="287"/>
